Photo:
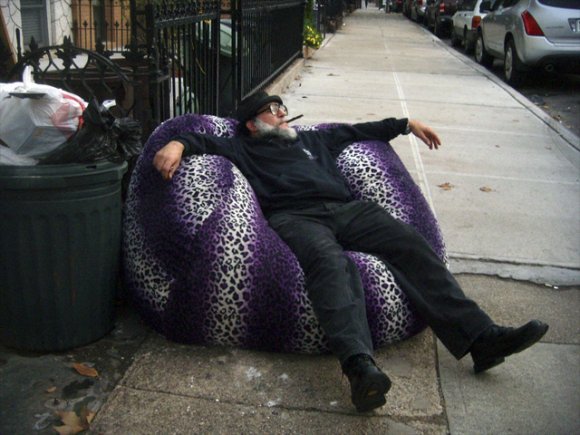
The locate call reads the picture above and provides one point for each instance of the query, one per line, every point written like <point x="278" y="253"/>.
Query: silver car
<point x="530" y="34"/>
<point x="418" y="9"/>
<point x="465" y="23"/>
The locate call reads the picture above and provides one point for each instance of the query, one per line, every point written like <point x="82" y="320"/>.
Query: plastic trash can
<point x="60" y="239"/>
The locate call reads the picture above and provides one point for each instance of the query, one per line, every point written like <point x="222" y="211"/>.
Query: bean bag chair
<point x="202" y="265"/>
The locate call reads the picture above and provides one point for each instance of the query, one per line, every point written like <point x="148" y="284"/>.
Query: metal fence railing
<point x="267" y="36"/>
<point x="183" y="43"/>
<point x="106" y="22"/>
<point x="188" y="56"/>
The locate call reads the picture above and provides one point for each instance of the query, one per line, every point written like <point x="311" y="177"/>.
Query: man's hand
<point x="168" y="158"/>
<point x="425" y="133"/>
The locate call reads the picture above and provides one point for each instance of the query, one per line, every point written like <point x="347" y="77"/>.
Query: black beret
<point x="250" y="105"/>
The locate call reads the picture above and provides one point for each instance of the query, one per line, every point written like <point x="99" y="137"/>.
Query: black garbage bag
<point x="101" y="137"/>
<point x="127" y="135"/>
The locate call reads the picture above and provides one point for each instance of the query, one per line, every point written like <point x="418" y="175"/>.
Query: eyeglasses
<point x="274" y="108"/>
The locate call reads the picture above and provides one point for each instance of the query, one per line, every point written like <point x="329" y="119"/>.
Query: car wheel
<point x="512" y="67"/>
<point x="455" y="40"/>
<point x="482" y="57"/>
<point x="437" y="28"/>
<point x="467" y="45"/>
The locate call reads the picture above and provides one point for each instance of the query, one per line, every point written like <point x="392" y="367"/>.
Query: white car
<point x="530" y="34"/>
<point x="465" y="24"/>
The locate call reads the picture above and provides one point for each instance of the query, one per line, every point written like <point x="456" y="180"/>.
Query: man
<point x="307" y="202"/>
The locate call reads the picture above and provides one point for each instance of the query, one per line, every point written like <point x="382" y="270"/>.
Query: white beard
<point x="266" y="130"/>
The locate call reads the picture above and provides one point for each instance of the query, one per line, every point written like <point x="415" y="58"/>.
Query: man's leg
<point x="332" y="281"/>
<point x="456" y="320"/>
<point x="432" y="289"/>
<point x="335" y="290"/>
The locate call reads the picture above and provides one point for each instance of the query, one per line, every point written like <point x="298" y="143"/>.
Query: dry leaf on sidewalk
<point x="486" y="189"/>
<point x="446" y="186"/>
<point x="73" y="424"/>
<point x="85" y="370"/>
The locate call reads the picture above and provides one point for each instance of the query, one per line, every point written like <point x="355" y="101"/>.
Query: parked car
<point x="407" y="4"/>
<point x="394" y="6"/>
<point x="438" y="15"/>
<point x="465" y="23"/>
<point x="529" y="34"/>
<point x="418" y="10"/>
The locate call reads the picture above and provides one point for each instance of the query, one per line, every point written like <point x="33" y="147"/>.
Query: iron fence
<point x="320" y="16"/>
<point x="101" y="22"/>
<point x="183" y="43"/>
<point x="267" y="36"/>
<point x="184" y="55"/>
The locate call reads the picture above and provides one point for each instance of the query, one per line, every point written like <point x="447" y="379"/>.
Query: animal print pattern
<point x="203" y="266"/>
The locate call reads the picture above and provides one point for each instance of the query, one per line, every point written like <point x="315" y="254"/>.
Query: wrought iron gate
<point x="186" y="55"/>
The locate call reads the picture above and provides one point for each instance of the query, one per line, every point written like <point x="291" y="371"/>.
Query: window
<point x="467" y="5"/>
<point x="510" y="3"/>
<point x="34" y="22"/>
<point x="567" y="4"/>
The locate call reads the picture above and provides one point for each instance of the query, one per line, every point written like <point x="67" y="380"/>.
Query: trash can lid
<point x="60" y="176"/>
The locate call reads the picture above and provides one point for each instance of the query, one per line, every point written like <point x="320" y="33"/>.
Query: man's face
<point x="273" y="114"/>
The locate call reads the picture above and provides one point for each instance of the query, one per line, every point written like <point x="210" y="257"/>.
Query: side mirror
<point x="485" y="6"/>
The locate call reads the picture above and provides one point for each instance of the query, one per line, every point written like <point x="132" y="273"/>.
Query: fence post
<point x="237" y="50"/>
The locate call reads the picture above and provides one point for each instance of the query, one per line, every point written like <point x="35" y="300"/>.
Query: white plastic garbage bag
<point x="10" y="158"/>
<point x="35" y="119"/>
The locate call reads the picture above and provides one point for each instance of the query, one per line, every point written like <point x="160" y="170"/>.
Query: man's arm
<point x="425" y="133"/>
<point x="385" y="130"/>
<point x="168" y="158"/>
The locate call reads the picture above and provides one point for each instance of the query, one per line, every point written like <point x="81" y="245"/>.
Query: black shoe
<point x="368" y="384"/>
<point x="497" y="342"/>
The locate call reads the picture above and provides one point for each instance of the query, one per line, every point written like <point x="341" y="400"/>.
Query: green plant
<point x="312" y="37"/>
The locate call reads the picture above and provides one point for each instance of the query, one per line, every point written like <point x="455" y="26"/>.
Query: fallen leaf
<point x="486" y="189"/>
<point x="446" y="186"/>
<point x="90" y="416"/>
<point x="51" y="390"/>
<point x="73" y="424"/>
<point x="66" y="430"/>
<point x="85" y="370"/>
<point x="86" y="416"/>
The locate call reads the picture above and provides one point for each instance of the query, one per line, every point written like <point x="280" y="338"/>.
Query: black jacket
<point x="288" y="175"/>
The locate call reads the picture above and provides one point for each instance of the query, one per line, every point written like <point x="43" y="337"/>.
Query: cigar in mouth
<point x="294" y="119"/>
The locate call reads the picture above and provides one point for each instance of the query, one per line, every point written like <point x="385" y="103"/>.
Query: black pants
<point x="318" y="237"/>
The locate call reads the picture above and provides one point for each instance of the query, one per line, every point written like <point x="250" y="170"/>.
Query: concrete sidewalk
<point x="506" y="190"/>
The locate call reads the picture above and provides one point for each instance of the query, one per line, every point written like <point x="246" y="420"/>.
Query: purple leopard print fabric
<point x="203" y="266"/>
